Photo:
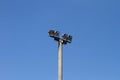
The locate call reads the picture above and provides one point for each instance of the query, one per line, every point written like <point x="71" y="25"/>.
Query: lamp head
<point x="67" y="38"/>
<point x="53" y="33"/>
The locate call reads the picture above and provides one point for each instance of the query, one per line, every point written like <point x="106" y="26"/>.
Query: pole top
<point x="65" y="38"/>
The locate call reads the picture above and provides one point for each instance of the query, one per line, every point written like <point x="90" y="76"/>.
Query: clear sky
<point x="28" y="53"/>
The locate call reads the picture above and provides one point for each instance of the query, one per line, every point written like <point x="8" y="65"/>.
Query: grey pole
<point x="60" y="66"/>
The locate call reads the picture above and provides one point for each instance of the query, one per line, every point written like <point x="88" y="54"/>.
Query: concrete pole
<point x="60" y="66"/>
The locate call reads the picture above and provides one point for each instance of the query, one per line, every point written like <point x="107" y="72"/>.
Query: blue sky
<point x="27" y="52"/>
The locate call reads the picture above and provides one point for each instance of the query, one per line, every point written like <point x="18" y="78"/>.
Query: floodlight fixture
<point x="53" y="33"/>
<point x="56" y="35"/>
<point x="67" y="38"/>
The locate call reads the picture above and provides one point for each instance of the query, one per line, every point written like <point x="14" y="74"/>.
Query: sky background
<point x="28" y="53"/>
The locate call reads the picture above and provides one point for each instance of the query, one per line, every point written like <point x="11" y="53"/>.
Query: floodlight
<point x="65" y="36"/>
<point x="51" y="33"/>
<point x="70" y="38"/>
<point x="56" y="34"/>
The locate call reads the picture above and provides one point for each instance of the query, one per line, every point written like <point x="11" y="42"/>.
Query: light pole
<point x="61" y="40"/>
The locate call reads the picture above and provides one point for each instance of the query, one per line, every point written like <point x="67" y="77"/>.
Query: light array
<point x="53" y="33"/>
<point x="65" y="37"/>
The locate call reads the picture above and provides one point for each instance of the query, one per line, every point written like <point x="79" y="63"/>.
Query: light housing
<point x="53" y="33"/>
<point x="70" y="38"/>
<point x="67" y="38"/>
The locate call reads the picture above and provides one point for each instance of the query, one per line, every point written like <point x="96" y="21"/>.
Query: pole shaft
<point x="60" y="66"/>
